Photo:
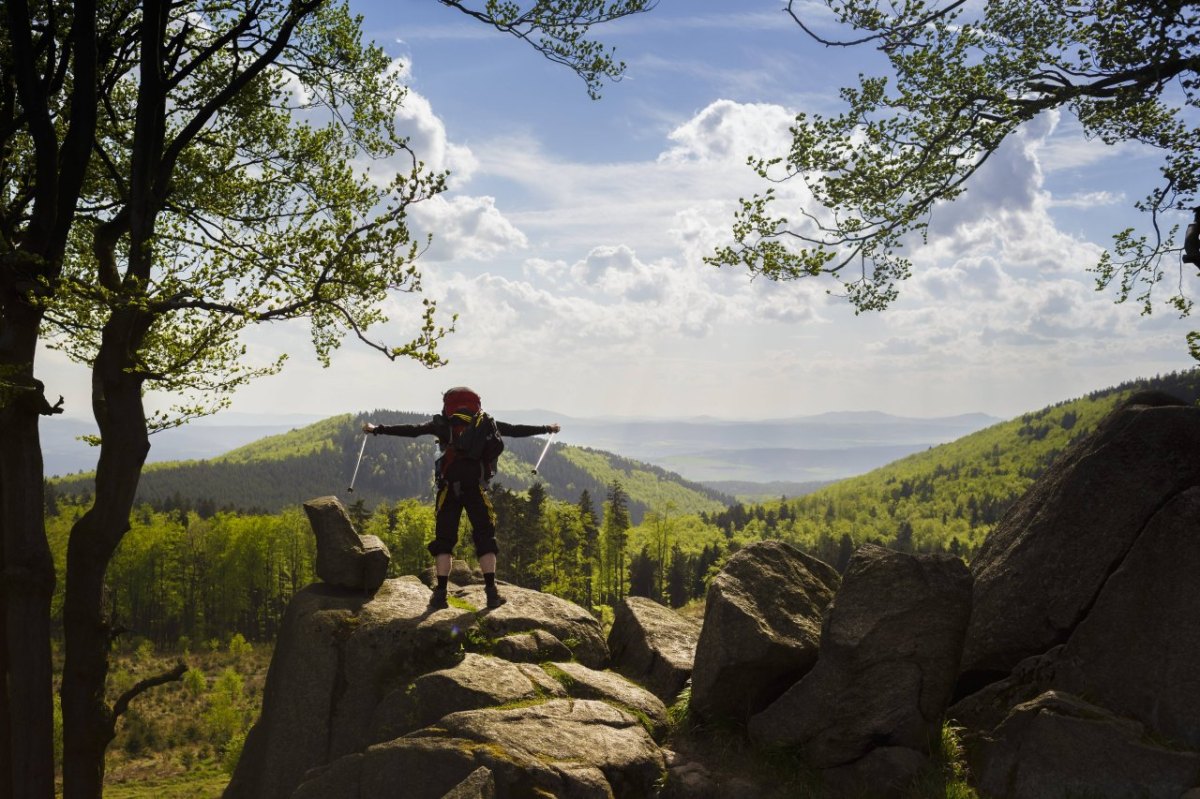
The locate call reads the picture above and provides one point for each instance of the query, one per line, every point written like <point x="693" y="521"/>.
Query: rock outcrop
<point x="653" y="645"/>
<point x="345" y="558"/>
<point x="1040" y="571"/>
<point x="889" y="653"/>
<point x="1096" y="570"/>
<point x="762" y="627"/>
<point x="1072" y="645"/>
<point x="367" y="688"/>
<point x="562" y="748"/>
<point x="1058" y="745"/>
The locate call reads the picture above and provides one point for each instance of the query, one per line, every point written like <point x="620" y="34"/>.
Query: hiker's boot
<point x="494" y="600"/>
<point x="438" y="600"/>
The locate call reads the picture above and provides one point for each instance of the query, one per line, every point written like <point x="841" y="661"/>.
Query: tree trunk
<point x="27" y="728"/>
<point x="88" y="721"/>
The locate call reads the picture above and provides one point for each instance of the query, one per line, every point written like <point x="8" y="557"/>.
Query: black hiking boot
<point x="438" y="600"/>
<point x="494" y="600"/>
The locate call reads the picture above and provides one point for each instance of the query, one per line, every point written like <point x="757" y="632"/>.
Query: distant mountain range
<point x="286" y="469"/>
<point x="791" y="451"/>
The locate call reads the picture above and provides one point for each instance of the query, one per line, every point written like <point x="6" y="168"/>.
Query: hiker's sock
<point x="494" y="600"/>
<point x="442" y="581"/>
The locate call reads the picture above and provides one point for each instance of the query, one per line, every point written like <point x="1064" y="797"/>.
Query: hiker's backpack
<point x="473" y="433"/>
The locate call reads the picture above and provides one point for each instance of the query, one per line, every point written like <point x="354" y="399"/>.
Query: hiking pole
<point x="539" y="460"/>
<point x="359" y="463"/>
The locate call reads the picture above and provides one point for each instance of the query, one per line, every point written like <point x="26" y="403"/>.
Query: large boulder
<point x="527" y="610"/>
<point x="762" y="626"/>
<point x="888" y="660"/>
<point x="476" y="682"/>
<point x="461" y="573"/>
<point x="1134" y="657"/>
<point x="1138" y="651"/>
<point x="653" y="644"/>
<point x="338" y="654"/>
<point x="573" y="749"/>
<point x="1042" y="568"/>
<point x="1059" y="745"/>
<point x="344" y="558"/>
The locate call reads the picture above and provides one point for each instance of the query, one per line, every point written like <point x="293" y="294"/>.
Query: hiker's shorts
<point x="453" y="498"/>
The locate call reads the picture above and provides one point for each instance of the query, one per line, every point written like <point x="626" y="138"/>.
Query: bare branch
<point x="122" y="703"/>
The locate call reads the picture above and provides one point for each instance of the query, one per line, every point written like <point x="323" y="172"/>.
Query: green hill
<point x="284" y="470"/>
<point x="948" y="497"/>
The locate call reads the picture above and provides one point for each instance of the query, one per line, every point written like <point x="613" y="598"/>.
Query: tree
<point x="524" y="536"/>
<point x="677" y="577"/>
<point x="615" y="535"/>
<point x="589" y="544"/>
<point x="170" y="173"/>
<point x="661" y="524"/>
<point x="642" y="568"/>
<point x="966" y="76"/>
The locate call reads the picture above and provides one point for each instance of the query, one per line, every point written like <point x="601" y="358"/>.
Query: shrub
<point x="232" y="752"/>
<point x="239" y="647"/>
<point x="194" y="682"/>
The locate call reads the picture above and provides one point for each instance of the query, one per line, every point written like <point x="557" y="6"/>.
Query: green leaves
<point x="281" y="194"/>
<point x="963" y="80"/>
<point x="558" y="29"/>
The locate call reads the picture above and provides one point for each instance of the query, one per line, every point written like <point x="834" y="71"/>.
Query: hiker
<point x="470" y="443"/>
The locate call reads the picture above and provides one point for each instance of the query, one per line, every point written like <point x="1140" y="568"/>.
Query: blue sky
<point x="571" y="243"/>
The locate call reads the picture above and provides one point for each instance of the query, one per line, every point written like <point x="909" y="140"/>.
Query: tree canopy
<point x="172" y="171"/>
<point x="965" y="77"/>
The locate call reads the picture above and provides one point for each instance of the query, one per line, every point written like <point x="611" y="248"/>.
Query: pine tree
<point x="588" y="546"/>
<point x="616" y="536"/>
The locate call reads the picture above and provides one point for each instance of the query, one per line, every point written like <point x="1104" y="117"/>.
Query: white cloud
<point x="466" y="227"/>
<point x="590" y="278"/>
<point x="726" y="131"/>
<point x="427" y="138"/>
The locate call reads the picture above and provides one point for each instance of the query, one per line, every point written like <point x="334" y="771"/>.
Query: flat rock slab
<point x="575" y="749"/>
<point x="584" y="683"/>
<point x="536" y="646"/>
<point x="527" y="610"/>
<point x="1059" y="745"/>
<point x="476" y="682"/>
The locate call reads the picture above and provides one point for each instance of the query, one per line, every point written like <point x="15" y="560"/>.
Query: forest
<point x="192" y="573"/>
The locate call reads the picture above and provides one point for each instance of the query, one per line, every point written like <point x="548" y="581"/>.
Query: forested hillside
<point x="283" y="471"/>
<point x="197" y="573"/>
<point x="946" y="498"/>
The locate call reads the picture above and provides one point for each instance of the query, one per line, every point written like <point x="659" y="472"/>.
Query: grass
<point x="182" y="740"/>
<point x="203" y="781"/>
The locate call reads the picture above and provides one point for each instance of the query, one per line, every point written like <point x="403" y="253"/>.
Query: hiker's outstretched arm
<point x="523" y="430"/>
<point x="406" y="430"/>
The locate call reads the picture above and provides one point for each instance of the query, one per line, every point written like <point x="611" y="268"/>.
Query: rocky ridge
<point x="1066" y="655"/>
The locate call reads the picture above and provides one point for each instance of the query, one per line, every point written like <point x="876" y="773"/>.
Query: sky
<point x="571" y="243"/>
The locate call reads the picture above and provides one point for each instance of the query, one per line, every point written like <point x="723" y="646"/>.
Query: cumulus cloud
<point x="727" y="131"/>
<point x="466" y="227"/>
<point x="426" y="134"/>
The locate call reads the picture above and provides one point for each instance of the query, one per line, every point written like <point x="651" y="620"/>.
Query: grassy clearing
<point x="182" y="740"/>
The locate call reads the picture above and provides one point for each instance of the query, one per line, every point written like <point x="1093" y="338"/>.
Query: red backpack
<point x="473" y="433"/>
